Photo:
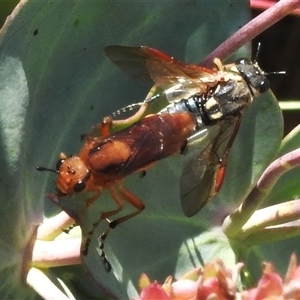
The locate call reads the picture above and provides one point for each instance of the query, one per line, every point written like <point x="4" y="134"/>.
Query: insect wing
<point x="164" y="70"/>
<point x="149" y="140"/>
<point x="131" y="60"/>
<point x="198" y="177"/>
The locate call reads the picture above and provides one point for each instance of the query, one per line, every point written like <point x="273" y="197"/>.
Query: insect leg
<point x="108" y="124"/>
<point x="104" y="215"/>
<point x="92" y="199"/>
<point x="151" y="97"/>
<point x="103" y="127"/>
<point x="134" y="201"/>
<point x="134" y="118"/>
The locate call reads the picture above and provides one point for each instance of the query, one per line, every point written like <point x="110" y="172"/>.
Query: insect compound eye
<point x="253" y="75"/>
<point x="263" y="85"/>
<point x="79" y="186"/>
<point x="259" y="82"/>
<point x="59" y="163"/>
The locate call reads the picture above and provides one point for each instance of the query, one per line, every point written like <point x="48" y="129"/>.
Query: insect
<point x="218" y="97"/>
<point x="104" y="162"/>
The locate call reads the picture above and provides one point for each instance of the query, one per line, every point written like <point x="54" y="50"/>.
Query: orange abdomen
<point x="134" y="148"/>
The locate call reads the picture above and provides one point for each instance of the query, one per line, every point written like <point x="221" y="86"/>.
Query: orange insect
<point x="105" y="161"/>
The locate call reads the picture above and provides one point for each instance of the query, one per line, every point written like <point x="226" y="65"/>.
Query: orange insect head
<point x="73" y="175"/>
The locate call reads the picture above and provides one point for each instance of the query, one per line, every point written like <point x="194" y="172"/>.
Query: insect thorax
<point x="227" y="100"/>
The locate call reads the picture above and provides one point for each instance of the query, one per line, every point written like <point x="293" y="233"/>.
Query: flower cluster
<point x="214" y="281"/>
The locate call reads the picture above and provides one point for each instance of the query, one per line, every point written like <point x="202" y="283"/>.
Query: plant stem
<point x="251" y="30"/>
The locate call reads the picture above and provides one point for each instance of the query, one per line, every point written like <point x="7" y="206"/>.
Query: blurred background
<point x="280" y="51"/>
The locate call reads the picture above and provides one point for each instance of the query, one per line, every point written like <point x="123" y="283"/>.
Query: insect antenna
<point x="127" y="108"/>
<point x="276" y="73"/>
<point x="42" y="169"/>
<point x="257" y="53"/>
<point x="266" y="73"/>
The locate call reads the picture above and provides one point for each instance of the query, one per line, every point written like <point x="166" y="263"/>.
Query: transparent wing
<point x="198" y="177"/>
<point x="178" y="79"/>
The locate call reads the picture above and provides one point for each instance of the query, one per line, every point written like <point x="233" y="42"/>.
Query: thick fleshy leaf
<point x="56" y="83"/>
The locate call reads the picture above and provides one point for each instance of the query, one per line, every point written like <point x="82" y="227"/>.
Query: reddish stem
<point x="273" y="172"/>
<point x="265" y="4"/>
<point x="251" y="30"/>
